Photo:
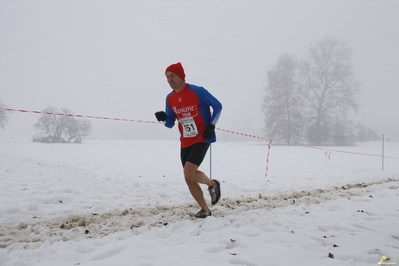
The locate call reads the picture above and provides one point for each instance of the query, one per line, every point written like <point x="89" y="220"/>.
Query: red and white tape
<point x="220" y="129"/>
<point x="77" y="115"/>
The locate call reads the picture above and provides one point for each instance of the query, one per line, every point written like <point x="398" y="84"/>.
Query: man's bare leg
<point x="193" y="178"/>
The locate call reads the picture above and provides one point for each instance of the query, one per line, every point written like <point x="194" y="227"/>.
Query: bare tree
<point x="55" y="126"/>
<point x="283" y="104"/>
<point x="3" y="116"/>
<point x="49" y="126"/>
<point x="75" y="128"/>
<point x="329" y="89"/>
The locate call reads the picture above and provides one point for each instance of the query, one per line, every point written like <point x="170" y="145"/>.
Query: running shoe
<point x="202" y="214"/>
<point x="215" y="192"/>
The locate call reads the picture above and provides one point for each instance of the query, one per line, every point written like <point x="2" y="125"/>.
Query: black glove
<point x="161" y="116"/>
<point x="209" y="132"/>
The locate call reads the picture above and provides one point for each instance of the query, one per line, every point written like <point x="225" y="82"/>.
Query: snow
<point x="119" y="202"/>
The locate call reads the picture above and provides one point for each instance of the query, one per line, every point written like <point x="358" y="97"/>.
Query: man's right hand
<point x="161" y="116"/>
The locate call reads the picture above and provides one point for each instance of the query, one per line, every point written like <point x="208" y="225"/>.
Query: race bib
<point x="189" y="127"/>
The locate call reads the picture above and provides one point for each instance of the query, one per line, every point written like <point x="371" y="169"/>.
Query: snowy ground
<point x="125" y="203"/>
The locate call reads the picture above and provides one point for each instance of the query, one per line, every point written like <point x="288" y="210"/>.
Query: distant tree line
<point x="60" y="127"/>
<point x="311" y="99"/>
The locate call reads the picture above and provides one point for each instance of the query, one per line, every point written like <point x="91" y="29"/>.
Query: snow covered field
<point x="125" y="203"/>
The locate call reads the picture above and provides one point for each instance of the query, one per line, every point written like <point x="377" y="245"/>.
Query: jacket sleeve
<point x="210" y="100"/>
<point x="170" y="116"/>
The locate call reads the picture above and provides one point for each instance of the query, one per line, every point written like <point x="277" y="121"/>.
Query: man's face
<point x="175" y="82"/>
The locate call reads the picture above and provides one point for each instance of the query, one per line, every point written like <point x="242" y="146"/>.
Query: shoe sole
<point x="218" y="195"/>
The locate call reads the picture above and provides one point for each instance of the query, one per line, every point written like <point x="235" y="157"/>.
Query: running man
<point x="191" y="106"/>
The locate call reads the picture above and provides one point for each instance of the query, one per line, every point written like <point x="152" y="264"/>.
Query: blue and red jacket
<point x="191" y="108"/>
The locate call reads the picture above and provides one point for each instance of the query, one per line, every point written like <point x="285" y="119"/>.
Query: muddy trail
<point x="139" y="220"/>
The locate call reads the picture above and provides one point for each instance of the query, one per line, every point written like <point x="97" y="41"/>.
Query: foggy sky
<point x="107" y="58"/>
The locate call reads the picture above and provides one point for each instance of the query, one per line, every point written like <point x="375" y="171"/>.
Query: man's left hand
<point x="209" y="132"/>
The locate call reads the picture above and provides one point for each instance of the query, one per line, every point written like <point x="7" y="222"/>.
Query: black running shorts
<point x="194" y="154"/>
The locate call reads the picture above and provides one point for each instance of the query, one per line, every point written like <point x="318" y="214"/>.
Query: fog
<point x="107" y="58"/>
